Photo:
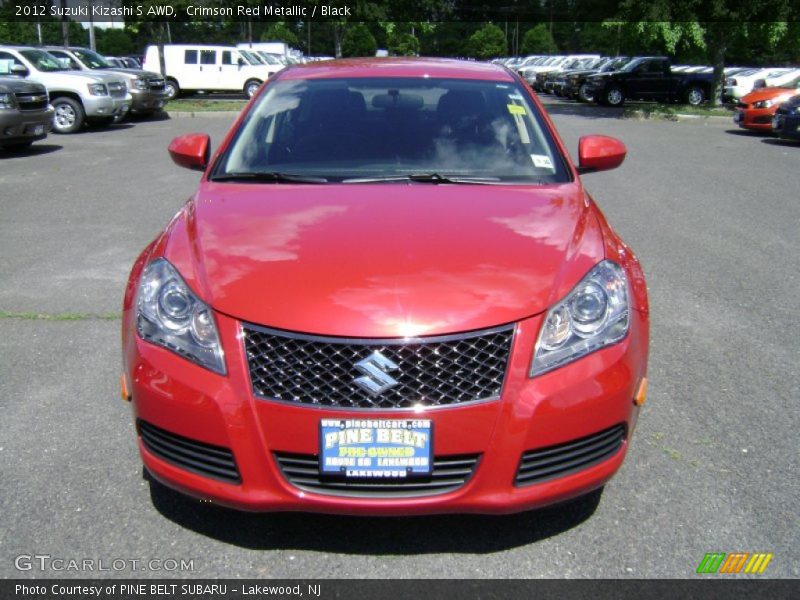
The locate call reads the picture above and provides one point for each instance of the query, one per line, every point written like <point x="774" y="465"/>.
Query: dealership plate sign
<point x="376" y="448"/>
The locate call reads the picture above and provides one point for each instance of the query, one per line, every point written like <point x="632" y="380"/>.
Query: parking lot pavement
<point x="711" y="213"/>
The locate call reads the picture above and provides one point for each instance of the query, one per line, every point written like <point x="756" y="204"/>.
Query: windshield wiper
<point x="268" y="177"/>
<point x="425" y="178"/>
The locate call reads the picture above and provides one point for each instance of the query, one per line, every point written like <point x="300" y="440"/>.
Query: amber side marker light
<point x="641" y="393"/>
<point x="123" y="388"/>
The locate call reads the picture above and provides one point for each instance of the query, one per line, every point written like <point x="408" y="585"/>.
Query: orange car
<point x="756" y="109"/>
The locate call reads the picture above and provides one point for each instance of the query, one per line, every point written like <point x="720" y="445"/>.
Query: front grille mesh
<point x="211" y="461"/>
<point x="157" y="85"/>
<point x="117" y="90"/>
<point x="31" y="101"/>
<point x="556" y="461"/>
<point x="448" y="474"/>
<point x="435" y="371"/>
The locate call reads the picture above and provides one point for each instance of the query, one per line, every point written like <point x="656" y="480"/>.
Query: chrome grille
<point x="449" y="473"/>
<point x="31" y="101"/>
<point x="117" y="89"/>
<point x="431" y="371"/>
<point x="556" y="461"/>
<point x="157" y="85"/>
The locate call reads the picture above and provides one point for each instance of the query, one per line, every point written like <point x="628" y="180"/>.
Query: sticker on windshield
<point x="515" y="109"/>
<point x="515" y="97"/>
<point x="542" y="162"/>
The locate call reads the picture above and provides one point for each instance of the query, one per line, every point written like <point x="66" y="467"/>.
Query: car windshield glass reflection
<point x="42" y="61"/>
<point x="92" y="59"/>
<point x="390" y="128"/>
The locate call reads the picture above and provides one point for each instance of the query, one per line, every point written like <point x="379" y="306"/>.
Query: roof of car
<point x="398" y="67"/>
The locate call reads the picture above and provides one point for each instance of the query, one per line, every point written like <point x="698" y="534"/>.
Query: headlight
<point x="169" y="314"/>
<point x="593" y="315"/>
<point x="98" y="89"/>
<point x="7" y="100"/>
<point x="140" y="84"/>
<point x="762" y="104"/>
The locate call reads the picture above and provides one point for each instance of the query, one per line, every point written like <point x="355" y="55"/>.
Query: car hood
<point x="770" y="93"/>
<point x="134" y="73"/>
<point x="21" y="85"/>
<point x="387" y="260"/>
<point x="71" y="78"/>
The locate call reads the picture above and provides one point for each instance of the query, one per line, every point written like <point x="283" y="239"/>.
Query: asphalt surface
<point x="714" y="217"/>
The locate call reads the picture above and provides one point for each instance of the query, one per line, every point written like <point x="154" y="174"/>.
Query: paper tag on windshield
<point x="541" y="162"/>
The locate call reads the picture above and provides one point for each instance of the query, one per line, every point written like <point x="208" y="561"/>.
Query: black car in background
<point x="650" y="78"/>
<point x="786" y="122"/>
<point x="575" y="82"/>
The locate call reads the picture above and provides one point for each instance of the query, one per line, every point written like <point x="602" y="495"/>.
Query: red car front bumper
<point x="563" y="408"/>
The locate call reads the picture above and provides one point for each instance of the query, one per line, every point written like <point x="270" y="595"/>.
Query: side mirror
<point x="599" y="153"/>
<point x="191" y="151"/>
<point x="20" y="70"/>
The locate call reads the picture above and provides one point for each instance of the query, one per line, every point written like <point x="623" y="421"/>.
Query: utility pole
<point x="92" y="44"/>
<point x="64" y="25"/>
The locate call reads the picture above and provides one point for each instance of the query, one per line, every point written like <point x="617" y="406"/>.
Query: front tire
<point x="69" y="115"/>
<point x="171" y="89"/>
<point x="583" y="93"/>
<point x="251" y="88"/>
<point x="614" y="96"/>
<point x="695" y="95"/>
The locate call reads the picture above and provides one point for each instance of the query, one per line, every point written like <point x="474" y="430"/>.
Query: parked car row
<point x="60" y="89"/>
<point x="612" y="80"/>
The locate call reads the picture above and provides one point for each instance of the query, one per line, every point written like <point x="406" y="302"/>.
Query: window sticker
<point x="515" y="96"/>
<point x="542" y="162"/>
<point x="516" y="109"/>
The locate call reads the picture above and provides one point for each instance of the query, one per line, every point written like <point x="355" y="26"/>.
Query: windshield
<point x="270" y="60"/>
<point x="250" y="58"/>
<point x="92" y="59"/>
<point x="42" y="61"/>
<point x="358" y="128"/>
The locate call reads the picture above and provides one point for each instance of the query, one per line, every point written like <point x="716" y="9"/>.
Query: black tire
<point x="69" y="115"/>
<point x="583" y="93"/>
<point x="695" y="95"/>
<point x="171" y="89"/>
<point x="251" y="87"/>
<point x="614" y="96"/>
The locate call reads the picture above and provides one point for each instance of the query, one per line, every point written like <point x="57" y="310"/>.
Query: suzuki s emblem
<point x="376" y="379"/>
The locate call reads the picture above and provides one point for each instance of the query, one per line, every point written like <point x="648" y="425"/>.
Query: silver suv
<point x="75" y="96"/>
<point x="146" y="87"/>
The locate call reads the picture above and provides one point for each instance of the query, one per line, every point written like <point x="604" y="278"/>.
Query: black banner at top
<point x="735" y="11"/>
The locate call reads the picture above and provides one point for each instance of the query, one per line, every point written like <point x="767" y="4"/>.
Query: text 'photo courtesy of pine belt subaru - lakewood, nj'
<point x="390" y="294"/>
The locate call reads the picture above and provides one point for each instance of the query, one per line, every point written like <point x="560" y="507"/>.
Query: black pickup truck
<point x="649" y="78"/>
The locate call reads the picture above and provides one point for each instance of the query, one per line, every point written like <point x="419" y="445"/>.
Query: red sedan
<point x="390" y="294"/>
<point x="755" y="110"/>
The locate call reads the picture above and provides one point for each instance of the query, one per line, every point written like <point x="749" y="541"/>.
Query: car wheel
<point x="614" y="96"/>
<point x="68" y="116"/>
<point x="583" y="93"/>
<point x="171" y="89"/>
<point x="695" y="95"/>
<point x="251" y="87"/>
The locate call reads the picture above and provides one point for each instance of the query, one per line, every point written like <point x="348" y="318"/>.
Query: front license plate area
<point x="378" y="449"/>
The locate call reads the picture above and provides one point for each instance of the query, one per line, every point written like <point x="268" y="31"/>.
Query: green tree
<point x="114" y="42"/>
<point x="359" y="41"/>
<point x="489" y="41"/>
<point x="403" y="44"/>
<point x="279" y="32"/>
<point x="538" y="41"/>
